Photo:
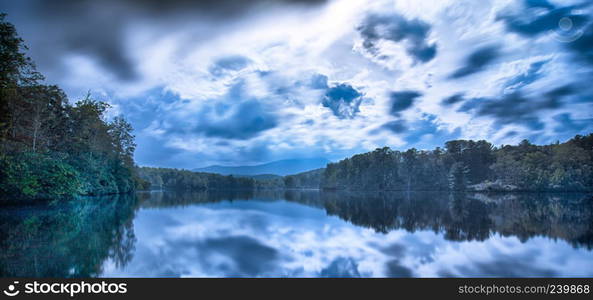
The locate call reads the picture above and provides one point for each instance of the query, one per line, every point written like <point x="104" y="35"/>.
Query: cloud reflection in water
<point x="263" y="237"/>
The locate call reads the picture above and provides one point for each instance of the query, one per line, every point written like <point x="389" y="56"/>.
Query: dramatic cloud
<point x="477" y="61"/>
<point x="101" y="30"/>
<point x="403" y="100"/>
<point x="540" y="16"/>
<point x="453" y="99"/>
<point x="343" y="100"/>
<point x="516" y="108"/>
<point x="395" y="28"/>
<point x="397" y="126"/>
<point x="247" y="82"/>
<point x="244" y="121"/>
<point x="341" y="267"/>
<point x="582" y="45"/>
<point x="568" y="124"/>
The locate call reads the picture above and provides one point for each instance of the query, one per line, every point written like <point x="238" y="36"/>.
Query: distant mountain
<point x="261" y="176"/>
<point x="280" y="167"/>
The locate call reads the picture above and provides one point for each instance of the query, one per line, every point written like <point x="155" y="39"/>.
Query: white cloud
<point x="286" y="47"/>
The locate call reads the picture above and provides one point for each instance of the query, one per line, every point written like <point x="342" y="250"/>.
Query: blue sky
<point x="232" y="83"/>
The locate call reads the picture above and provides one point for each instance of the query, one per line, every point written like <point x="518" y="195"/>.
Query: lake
<point x="301" y="234"/>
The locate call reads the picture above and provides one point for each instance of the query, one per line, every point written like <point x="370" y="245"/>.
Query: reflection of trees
<point x="568" y="217"/>
<point x="70" y="239"/>
<point x="458" y="218"/>
<point x="73" y="239"/>
<point x="461" y="216"/>
<point x="184" y="198"/>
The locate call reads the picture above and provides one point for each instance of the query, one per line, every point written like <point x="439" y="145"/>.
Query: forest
<point x="462" y="165"/>
<point x="50" y="148"/>
<point x="176" y="179"/>
<point x="466" y="165"/>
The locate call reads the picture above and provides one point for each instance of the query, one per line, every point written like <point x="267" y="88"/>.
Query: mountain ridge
<point x="279" y="167"/>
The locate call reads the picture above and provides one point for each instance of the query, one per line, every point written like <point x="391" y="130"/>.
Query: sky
<point x="246" y="82"/>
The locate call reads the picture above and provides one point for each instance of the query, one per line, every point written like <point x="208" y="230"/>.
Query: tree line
<point x="178" y="179"/>
<point x="469" y="165"/>
<point x="50" y="148"/>
<point x="462" y="165"/>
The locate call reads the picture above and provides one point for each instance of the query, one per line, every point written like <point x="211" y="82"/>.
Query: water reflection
<point x="69" y="239"/>
<point x="302" y="233"/>
<point x="465" y="217"/>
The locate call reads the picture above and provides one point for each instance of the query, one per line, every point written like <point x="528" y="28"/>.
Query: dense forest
<point x="50" y="148"/>
<point x="469" y="165"/>
<point x="164" y="178"/>
<point x="178" y="179"/>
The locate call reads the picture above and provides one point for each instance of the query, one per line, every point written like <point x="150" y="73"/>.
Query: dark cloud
<point x="453" y="99"/>
<point x="250" y="257"/>
<point x="512" y="109"/>
<point x="343" y="100"/>
<point x="98" y="29"/>
<point x="394" y="250"/>
<point x="566" y="24"/>
<point x="219" y="8"/>
<point x="570" y="125"/>
<point x="341" y="267"/>
<point x="582" y="47"/>
<point x="397" y="126"/>
<point x="245" y="120"/>
<point x="403" y="100"/>
<point x="228" y="63"/>
<point x="477" y="61"/>
<point x="396" y="28"/>
<point x="552" y="99"/>
<point x="510" y="134"/>
<point x="515" y="108"/>
<point x="541" y="17"/>
<point x="539" y="3"/>
<point x="396" y="270"/>
<point x="236" y="115"/>
<point x="505" y="265"/>
<point x="243" y="256"/>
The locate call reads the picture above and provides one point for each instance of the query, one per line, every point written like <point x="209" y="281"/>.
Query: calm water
<point x="301" y="234"/>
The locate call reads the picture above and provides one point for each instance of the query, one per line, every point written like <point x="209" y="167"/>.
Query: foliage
<point x="469" y="165"/>
<point x="164" y="178"/>
<point x="50" y="148"/>
<point x="308" y="179"/>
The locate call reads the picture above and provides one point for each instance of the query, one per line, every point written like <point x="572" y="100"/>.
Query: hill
<point x="280" y="167"/>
